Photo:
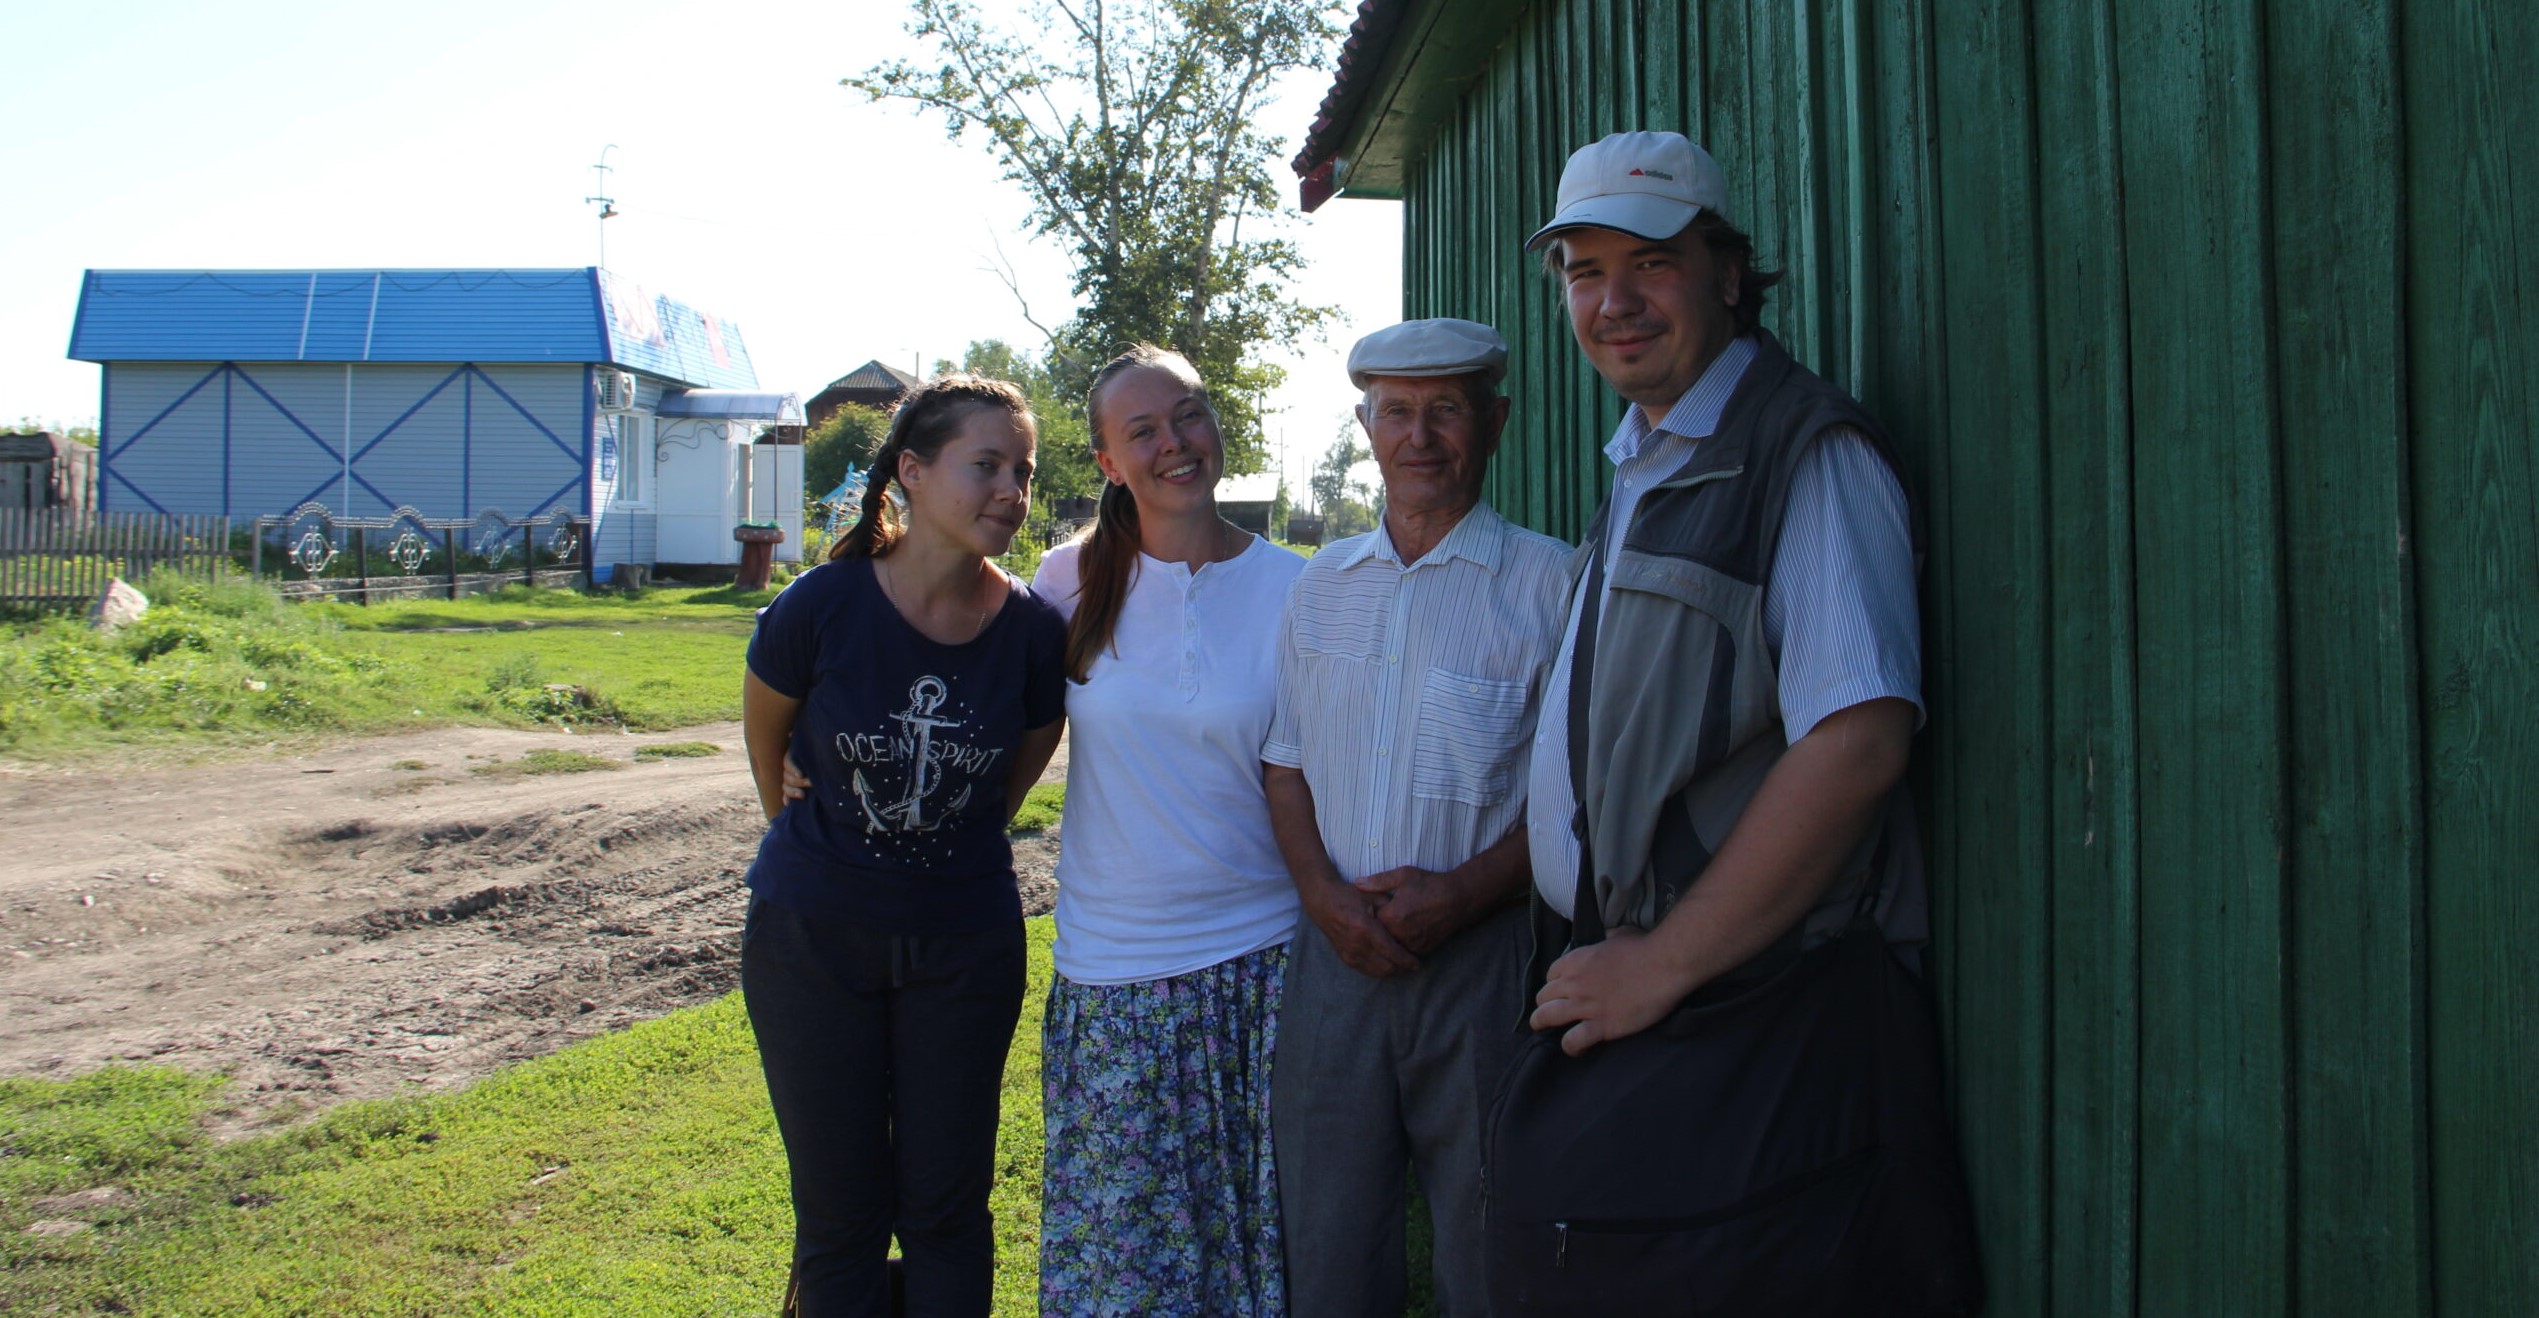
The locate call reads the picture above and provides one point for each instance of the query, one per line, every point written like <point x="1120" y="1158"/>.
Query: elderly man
<point x="1395" y="768"/>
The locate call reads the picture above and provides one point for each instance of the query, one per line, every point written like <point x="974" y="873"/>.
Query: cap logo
<point x="1653" y="173"/>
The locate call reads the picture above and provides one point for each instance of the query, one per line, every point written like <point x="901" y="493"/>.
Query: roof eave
<point x="1401" y="73"/>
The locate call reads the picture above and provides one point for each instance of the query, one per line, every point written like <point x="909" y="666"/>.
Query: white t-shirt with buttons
<point x="1166" y="862"/>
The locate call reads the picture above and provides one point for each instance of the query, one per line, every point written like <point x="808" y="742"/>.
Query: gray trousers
<point x="1376" y="1076"/>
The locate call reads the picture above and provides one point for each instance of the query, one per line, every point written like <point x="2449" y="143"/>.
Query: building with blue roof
<point x="452" y="392"/>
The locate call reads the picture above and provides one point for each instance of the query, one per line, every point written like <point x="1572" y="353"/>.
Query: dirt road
<point x="398" y="914"/>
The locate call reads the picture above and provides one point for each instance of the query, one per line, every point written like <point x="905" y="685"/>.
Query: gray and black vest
<point x="1683" y="711"/>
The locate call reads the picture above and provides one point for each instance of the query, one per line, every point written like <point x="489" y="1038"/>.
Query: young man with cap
<point x="1755" y="679"/>
<point x="1413" y="662"/>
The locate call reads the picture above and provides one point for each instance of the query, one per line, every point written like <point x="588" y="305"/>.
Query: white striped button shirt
<point x="1840" y="614"/>
<point x="1407" y="693"/>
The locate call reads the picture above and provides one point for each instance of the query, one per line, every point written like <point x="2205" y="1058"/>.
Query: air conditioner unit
<point x="616" y="391"/>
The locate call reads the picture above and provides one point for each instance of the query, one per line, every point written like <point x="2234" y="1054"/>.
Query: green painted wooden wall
<point x="2211" y="331"/>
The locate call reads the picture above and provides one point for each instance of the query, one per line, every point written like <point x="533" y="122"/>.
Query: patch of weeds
<point x="1042" y="806"/>
<point x="559" y="702"/>
<point x="411" y="765"/>
<point x="548" y="760"/>
<point x="677" y="750"/>
<point x="516" y="673"/>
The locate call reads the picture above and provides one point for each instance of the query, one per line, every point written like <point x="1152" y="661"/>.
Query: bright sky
<point x="284" y="133"/>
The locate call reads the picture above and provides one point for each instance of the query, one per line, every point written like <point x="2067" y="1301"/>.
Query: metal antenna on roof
<point x="607" y="204"/>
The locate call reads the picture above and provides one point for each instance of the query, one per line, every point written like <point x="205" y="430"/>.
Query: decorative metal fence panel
<point x="311" y="551"/>
<point x="63" y="557"/>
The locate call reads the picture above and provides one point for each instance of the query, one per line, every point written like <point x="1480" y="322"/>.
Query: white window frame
<point x="636" y="436"/>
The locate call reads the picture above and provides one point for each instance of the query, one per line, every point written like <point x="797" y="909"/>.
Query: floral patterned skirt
<point x="1159" y="1197"/>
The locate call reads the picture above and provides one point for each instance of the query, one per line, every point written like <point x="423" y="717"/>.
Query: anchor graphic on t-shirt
<point x="908" y="813"/>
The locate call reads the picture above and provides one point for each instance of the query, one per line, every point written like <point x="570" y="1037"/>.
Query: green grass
<point x="677" y="750"/>
<point x="1041" y="807"/>
<point x="233" y="666"/>
<point x="547" y="760"/>
<point x="633" y="1174"/>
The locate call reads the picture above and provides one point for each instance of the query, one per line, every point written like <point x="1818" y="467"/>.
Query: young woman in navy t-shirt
<point x="920" y="690"/>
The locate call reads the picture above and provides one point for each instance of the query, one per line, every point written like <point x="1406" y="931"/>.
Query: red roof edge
<point x="1370" y="38"/>
<point x="1316" y="188"/>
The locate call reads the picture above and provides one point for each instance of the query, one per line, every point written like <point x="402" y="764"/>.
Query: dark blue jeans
<point x="885" y="1055"/>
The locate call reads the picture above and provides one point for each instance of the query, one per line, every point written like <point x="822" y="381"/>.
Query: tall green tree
<point x="1064" y="459"/>
<point x="1347" y="504"/>
<point x="1129" y="124"/>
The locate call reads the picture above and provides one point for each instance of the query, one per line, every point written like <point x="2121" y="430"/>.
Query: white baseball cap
<point x="1649" y="185"/>
<point x="1422" y="348"/>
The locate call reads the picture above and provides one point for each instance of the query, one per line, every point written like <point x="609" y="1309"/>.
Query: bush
<point x="846" y="439"/>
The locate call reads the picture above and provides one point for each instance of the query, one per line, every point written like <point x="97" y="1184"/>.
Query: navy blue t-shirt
<point x="907" y="743"/>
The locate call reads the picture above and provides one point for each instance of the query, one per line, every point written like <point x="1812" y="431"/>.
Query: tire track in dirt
<point x="320" y="928"/>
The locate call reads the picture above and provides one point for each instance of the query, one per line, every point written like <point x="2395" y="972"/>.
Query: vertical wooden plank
<point x="1662" y="59"/>
<point x="2092" y="838"/>
<point x="1727" y="101"/>
<point x="1538" y="169"/>
<point x="1991" y="605"/>
<point x="1768" y="154"/>
<point x="2215" y="1180"/>
<point x="1901" y="337"/>
<point x="1591" y="118"/>
<point x="2357" y="845"/>
<point x="1623" y="78"/>
<point x="2472" y="289"/>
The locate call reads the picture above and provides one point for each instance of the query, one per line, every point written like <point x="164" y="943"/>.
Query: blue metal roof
<point x="562" y="316"/>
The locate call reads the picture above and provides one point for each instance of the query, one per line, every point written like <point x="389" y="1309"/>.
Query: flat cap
<point x="1444" y="346"/>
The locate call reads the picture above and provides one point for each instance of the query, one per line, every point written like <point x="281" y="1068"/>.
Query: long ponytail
<point x="924" y="422"/>
<point x="1108" y="563"/>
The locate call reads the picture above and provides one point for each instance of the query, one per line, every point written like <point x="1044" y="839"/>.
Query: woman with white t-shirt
<point x="1174" y="908"/>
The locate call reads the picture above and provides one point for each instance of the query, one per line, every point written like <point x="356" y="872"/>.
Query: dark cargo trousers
<point x="885" y="1058"/>
<point x="1376" y="1077"/>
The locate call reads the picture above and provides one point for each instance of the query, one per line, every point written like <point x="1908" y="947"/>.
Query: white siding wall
<point x="698" y="488"/>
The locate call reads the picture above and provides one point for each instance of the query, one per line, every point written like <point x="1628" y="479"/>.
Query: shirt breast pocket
<point x="1341" y="628"/>
<point x="1469" y="730"/>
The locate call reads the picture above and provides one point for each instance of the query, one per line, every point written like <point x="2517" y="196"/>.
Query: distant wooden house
<point x="1249" y="501"/>
<point x="872" y="384"/>
<point x="453" y="392"/>
<point x="45" y="470"/>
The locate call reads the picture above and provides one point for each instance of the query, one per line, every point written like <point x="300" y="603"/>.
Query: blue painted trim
<point x="105" y="413"/>
<point x="590" y="427"/>
<point x="336" y="478"/>
<point x="228" y="387"/>
<point x="136" y="492"/>
<point x="407" y="415"/>
<point x="467" y="448"/>
<point x="287" y="415"/>
<point x="375" y="491"/>
<point x="560" y="492"/>
<point x="164" y="413"/>
<point x="525" y="413"/>
<point x="599" y="308"/>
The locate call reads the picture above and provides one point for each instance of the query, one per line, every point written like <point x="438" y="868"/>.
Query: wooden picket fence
<point x="63" y="557"/>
